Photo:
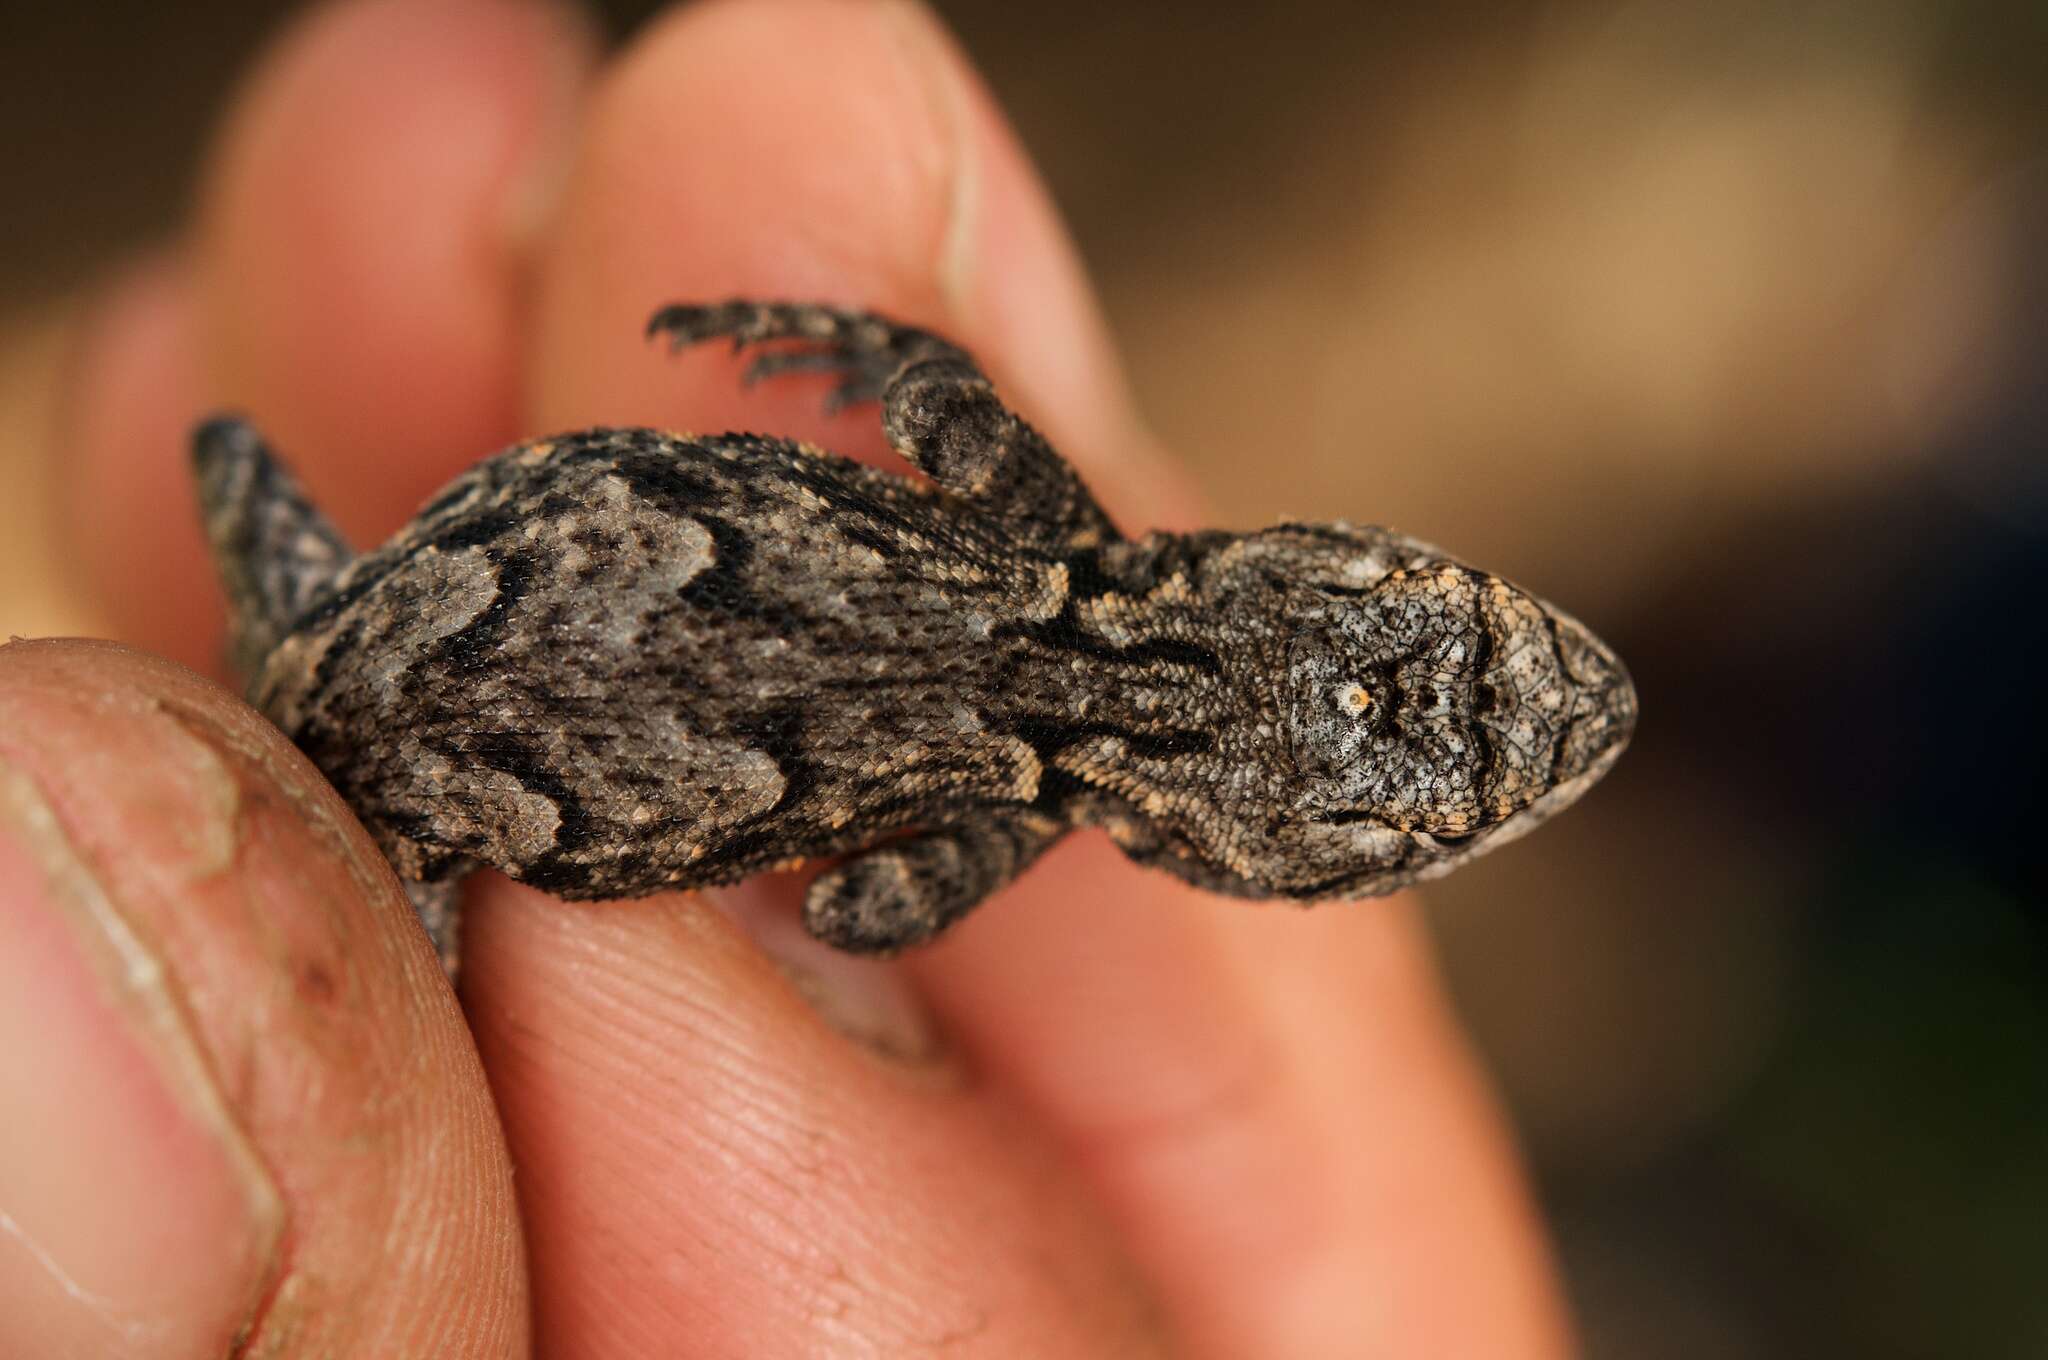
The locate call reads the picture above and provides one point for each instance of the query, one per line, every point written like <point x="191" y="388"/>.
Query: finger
<point x="361" y="238"/>
<point x="1274" y="1104"/>
<point x="705" y="1167"/>
<point x="903" y="192"/>
<point x="662" y="1084"/>
<point x="1111" y="1000"/>
<point x="243" y="1112"/>
<point x="354" y="285"/>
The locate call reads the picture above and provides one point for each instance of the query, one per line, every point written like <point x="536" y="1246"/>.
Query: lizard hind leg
<point x="275" y="551"/>
<point x="906" y="891"/>
<point x="439" y="907"/>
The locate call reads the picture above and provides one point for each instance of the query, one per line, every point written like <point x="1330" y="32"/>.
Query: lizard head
<point x="1427" y="711"/>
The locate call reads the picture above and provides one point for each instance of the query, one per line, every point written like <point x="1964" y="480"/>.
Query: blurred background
<point x="1723" y="322"/>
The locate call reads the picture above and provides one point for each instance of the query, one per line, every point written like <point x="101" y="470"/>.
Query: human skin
<point x="1108" y="1115"/>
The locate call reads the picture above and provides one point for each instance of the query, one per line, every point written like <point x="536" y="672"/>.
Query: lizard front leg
<point x="906" y="891"/>
<point x="939" y="409"/>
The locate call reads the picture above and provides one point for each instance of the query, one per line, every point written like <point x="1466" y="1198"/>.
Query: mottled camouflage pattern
<point x="620" y="661"/>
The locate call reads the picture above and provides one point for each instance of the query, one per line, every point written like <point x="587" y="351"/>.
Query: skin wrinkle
<point x="103" y="1309"/>
<point x="867" y="1001"/>
<point x="314" y="807"/>
<point x="215" y="817"/>
<point x="758" y="1192"/>
<point x="207" y="825"/>
<point x="310" y="799"/>
<point x="1233" y="1096"/>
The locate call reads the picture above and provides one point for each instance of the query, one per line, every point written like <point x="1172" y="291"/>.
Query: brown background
<point x="1725" y="324"/>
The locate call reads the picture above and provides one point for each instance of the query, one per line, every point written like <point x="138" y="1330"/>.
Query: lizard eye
<point x="1355" y="699"/>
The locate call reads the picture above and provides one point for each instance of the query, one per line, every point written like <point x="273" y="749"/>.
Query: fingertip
<point x="734" y="149"/>
<point x="363" y="231"/>
<point x="819" y="150"/>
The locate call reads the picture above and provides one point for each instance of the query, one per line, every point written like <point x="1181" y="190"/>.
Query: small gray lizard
<point x="621" y="661"/>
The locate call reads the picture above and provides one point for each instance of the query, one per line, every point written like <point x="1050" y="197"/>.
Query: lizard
<point x="620" y="661"/>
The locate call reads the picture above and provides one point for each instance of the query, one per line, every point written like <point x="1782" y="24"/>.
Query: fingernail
<point x="929" y="63"/>
<point x="135" y="1217"/>
<point x="867" y="1000"/>
<point x="570" y="45"/>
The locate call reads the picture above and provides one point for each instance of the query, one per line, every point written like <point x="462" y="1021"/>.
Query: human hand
<point x="1108" y="1115"/>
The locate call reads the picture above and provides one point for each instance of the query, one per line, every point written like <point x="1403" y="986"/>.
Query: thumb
<point x="242" y="1111"/>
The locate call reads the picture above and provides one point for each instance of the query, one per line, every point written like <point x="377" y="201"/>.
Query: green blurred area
<point x="1902" y="1124"/>
<point x="1726" y="323"/>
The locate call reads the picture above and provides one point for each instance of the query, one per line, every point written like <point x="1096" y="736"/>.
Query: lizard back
<point x="622" y="659"/>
